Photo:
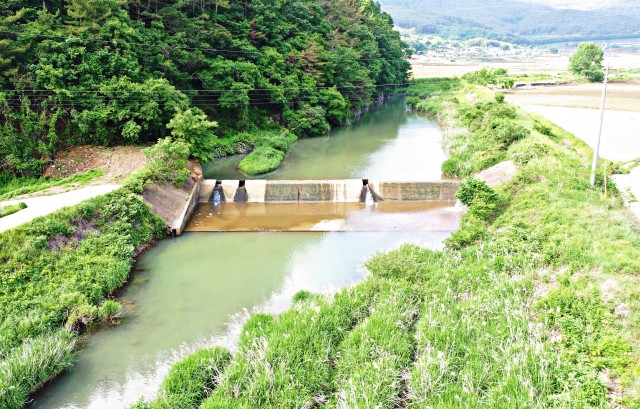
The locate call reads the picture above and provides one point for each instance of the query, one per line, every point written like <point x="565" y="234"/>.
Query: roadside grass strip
<point x="11" y="209"/>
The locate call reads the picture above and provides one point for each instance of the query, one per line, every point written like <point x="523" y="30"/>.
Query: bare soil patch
<point x="117" y="162"/>
<point x="620" y="96"/>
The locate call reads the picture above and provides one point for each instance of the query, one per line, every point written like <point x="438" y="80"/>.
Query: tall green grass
<point x="55" y="271"/>
<point x="190" y="381"/>
<point x="32" y="363"/>
<point x="533" y="304"/>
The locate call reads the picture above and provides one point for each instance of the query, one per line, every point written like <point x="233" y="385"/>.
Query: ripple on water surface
<point x="192" y="290"/>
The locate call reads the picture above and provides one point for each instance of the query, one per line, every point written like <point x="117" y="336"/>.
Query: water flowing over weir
<point x="196" y="290"/>
<point x="328" y="205"/>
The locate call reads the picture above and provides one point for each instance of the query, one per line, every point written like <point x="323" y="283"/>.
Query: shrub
<point x="451" y="168"/>
<point x="543" y="129"/>
<point x="413" y="101"/>
<point x="263" y="159"/>
<point x="110" y="311"/>
<point x="481" y="199"/>
<point x="506" y="133"/>
<point x="308" y="121"/>
<point x="167" y="162"/>
<point x="194" y="128"/>
<point x="472" y="229"/>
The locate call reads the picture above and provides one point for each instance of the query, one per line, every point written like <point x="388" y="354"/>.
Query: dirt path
<point x="41" y="206"/>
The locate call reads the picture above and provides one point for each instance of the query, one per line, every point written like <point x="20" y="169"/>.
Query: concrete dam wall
<point x="340" y="191"/>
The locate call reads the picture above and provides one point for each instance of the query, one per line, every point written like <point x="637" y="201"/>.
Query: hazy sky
<point x="586" y="4"/>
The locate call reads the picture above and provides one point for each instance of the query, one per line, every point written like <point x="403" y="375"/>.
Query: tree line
<point x="111" y="72"/>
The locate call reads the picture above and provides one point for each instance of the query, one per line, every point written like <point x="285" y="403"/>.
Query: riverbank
<point x="56" y="275"/>
<point x="531" y="304"/>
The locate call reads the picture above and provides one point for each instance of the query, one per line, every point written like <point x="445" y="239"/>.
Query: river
<point x="388" y="143"/>
<point x="197" y="289"/>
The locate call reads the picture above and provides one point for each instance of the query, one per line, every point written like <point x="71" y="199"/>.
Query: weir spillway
<point x="324" y="205"/>
<point x="337" y="191"/>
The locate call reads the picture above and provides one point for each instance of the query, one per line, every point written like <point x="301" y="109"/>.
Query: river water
<point x="197" y="289"/>
<point x="388" y="143"/>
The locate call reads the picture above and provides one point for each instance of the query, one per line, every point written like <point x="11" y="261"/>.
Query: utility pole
<point x="596" y="151"/>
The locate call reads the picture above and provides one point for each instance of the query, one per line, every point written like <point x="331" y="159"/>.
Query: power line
<point x="49" y="92"/>
<point x="185" y="47"/>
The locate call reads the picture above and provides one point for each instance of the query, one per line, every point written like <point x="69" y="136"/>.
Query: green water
<point x="388" y="143"/>
<point x="195" y="291"/>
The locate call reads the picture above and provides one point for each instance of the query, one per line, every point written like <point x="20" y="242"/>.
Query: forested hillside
<point x="518" y="21"/>
<point x="119" y="71"/>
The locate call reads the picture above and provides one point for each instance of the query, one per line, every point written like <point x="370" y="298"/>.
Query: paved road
<point x="43" y="205"/>
<point x="631" y="183"/>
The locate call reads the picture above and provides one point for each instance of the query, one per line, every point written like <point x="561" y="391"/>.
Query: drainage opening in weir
<point x="366" y="196"/>
<point x="241" y="193"/>
<point x="217" y="196"/>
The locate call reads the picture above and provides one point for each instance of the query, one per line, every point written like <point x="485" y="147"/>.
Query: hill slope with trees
<point x="517" y="21"/>
<point x="111" y="72"/>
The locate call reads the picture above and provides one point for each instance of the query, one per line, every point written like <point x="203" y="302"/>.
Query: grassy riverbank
<point x="534" y="303"/>
<point x="55" y="273"/>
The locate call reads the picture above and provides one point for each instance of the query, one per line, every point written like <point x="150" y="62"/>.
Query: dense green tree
<point x="193" y="127"/>
<point x="116" y="72"/>
<point x="586" y="61"/>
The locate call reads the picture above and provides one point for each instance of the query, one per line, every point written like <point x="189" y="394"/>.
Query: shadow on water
<point x="350" y="152"/>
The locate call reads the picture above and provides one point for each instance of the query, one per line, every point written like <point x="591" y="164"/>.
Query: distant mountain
<point x="519" y="21"/>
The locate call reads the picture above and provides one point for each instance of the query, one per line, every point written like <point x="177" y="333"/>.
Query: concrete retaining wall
<point x="259" y="191"/>
<point x="190" y="205"/>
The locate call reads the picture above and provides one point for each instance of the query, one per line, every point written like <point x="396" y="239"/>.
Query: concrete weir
<point x="339" y="191"/>
<point x="325" y="205"/>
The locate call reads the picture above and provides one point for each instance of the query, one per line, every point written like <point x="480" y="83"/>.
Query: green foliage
<point x="23" y="186"/>
<point x="167" y="161"/>
<point x="482" y="200"/>
<point x="193" y="127"/>
<point x="262" y="160"/>
<point x="483" y="133"/>
<point x="522" y="22"/>
<point x="289" y="359"/>
<point x="110" y="311"/>
<point x="472" y="230"/>
<point x="32" y="363"/>
<point x="543" y="129"/>
<point x="109" y="72"/>
<point x="309" y="121"/>
<point x="191" y="380"/>
<point x="55" y="272"/>
<point x="586" y="62"/>
<point x="485" y="76"/>
<point x="11" y="209"/>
